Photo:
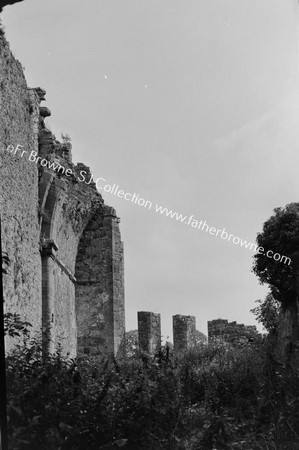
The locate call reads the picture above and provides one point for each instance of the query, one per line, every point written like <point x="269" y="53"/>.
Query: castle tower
<point x="149" y="332"/>
<point x="184" y="328"/>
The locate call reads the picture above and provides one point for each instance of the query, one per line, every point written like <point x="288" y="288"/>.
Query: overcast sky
<point x="192" y="104"/>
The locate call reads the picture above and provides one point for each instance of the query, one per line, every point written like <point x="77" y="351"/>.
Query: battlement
<point x="230" y="331"/>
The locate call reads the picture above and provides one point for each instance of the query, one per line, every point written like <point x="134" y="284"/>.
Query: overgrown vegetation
<point x="217" y="396"/>
<point x="267" y="313"/>
<point x="281" y="235"/>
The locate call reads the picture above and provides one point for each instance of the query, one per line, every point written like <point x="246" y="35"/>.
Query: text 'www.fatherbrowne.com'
<point x="100" y="183"/>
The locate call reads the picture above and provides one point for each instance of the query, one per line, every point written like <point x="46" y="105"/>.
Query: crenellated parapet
<point x="231" y="331"/>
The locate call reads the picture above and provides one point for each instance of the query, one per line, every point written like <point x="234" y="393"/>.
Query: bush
<point x="217" y="396"/>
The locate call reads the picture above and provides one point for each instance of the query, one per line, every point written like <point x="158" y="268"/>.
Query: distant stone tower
<point x="230" y="331"/>
<point x="149" y="332"/>
<point x="184" y="332"/>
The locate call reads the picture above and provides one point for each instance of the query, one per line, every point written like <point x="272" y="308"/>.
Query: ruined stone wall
<point x="88" y="255"/>
<point x="64" y="319"/>
<point x="65" y="208"/>
<point x="118" y="281"/>
<point x="149" y="332"/>
<point x="287" y="338"/>
<point x="56" y="227"/>
<point x="19" y="114"/>
<point x="184" y="329"/>
<point x="231" y="331"/>
<point x="100" y="286"/>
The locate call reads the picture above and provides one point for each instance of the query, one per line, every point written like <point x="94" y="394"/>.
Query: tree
<point x="8" y="2"/>
<point x="280" y="235"/>
<point x="267" y="313"/>
<point x="131" y="339"/>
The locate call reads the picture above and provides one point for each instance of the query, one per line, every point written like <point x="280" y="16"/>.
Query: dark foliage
<point x="267" y="313"/>
<point x="217" y="396"/>
<point x="7" y="2"/>
<point x="14" y="326"/>
<point x="280" y="235"/>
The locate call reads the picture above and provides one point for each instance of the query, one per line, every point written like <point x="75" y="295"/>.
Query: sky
<point x="194" y="106"/>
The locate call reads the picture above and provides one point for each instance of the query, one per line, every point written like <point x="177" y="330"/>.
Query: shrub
<point x="216" y="396"/>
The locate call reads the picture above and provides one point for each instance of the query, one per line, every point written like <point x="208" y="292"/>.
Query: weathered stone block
<point x="184" y="332"/>
<point x="149" y="332"/>
<point x="230" y="331"/>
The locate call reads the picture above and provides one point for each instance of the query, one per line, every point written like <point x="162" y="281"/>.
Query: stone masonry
<point x="230" y="331"/>
<point x="66" y="255"/>
<point x="149" y="332"/>
<point x="184" y="329"/>
<point x="19" y="118"/>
